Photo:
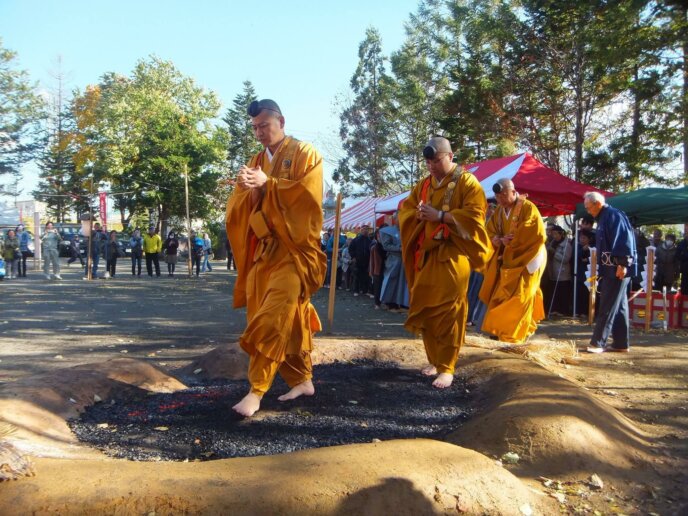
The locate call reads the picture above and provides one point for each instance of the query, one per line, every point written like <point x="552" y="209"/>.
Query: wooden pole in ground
<point x="649" y="281"/>
<point x="89" y="258"/>
<point x="593" y="286"/>
<point x="188" y="220"/>
<point x="333" y="264"/>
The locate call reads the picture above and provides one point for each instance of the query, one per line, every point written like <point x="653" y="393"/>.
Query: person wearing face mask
<point x="51" y="244"/>
<point x="667" y="265"/>
<point x="170" y="247"/>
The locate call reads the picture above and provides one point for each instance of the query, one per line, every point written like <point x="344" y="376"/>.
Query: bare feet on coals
<point x="249" y="405"/>
<point x="429" y="370"/>
<point x="443" y="380"/>
<point x="303" y="389"/>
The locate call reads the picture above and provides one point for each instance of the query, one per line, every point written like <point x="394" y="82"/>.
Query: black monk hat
<point x="257" y="106"/>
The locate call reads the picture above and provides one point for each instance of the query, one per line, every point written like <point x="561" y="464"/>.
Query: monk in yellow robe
<point x="443" y="237"/>
<point x="273" y="224"/>
<point x="511" y="289"/>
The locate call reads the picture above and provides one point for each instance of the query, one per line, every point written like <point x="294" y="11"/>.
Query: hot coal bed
<point x="355" y="402"/>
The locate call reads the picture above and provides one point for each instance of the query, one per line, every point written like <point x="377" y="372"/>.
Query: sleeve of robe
<point x="468" y="206"/>
<point x="292" y="207"/>
<point x="529" y="237"/>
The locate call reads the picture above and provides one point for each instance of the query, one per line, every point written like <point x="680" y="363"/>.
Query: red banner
<point x="103" y="209"/>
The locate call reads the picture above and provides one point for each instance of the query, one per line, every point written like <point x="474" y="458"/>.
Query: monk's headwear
<point x="257" y="106"/>
<point x="436" y="145"/>
<point x="503" y="184"/>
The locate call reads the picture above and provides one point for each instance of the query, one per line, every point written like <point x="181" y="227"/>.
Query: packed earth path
<point x="633" y="401"/>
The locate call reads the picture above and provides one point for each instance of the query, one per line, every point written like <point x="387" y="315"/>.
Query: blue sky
<point x="300" y="53"/>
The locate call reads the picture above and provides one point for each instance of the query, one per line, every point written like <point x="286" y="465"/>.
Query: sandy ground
<point x="621" y="417"/>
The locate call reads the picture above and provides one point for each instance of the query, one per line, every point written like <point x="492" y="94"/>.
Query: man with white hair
<point x="511" y="288"/>
<point x="616" y="263"/>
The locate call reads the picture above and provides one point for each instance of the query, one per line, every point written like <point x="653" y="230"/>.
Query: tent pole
<point x="333" y="264"/>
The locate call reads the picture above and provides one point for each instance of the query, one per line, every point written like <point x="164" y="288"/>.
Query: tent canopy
<point x="363" y="212"/>
<point x="553" y="193"/>
<point x="650" y="206"/>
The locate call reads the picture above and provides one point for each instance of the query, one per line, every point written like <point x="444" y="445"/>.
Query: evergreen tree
<point x="242" y="144"/>
<point x="56" y="163"/>
<point x="21" y="113"/>
<point x="365" y="128"/>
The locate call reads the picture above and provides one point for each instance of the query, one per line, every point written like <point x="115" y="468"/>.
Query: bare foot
<point x="249" y="405"/>
<point x="303" y="389"/>
<point x="429" y="370"/>
<point x="443" y="380"/>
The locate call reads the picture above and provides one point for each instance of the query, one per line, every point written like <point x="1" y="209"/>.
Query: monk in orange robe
<point x="443" y="237"/>
<point x="273" y="223"/>
<point x="511" y="289"/>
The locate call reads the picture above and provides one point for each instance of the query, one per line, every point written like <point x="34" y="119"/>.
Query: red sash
<point x="441" y="228"/>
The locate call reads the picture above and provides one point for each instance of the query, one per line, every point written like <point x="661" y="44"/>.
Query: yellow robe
<point x="438" y="271"/>
<point x="276" y="246"/>
<point x="512" y="294"/>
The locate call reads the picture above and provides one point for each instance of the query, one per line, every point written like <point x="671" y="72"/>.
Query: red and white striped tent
<point x="363" y="212"/>
<point x="551" y="192"/>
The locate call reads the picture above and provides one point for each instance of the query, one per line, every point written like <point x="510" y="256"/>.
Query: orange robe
<point x="437" y="270"/>
<point x="276" y="246"/>
<point x="510" y="291"/>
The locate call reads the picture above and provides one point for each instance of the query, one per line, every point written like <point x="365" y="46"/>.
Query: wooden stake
<point x="593" y="286"/>
<point x="333" y="264"/>
<point x="188" y="220"/>
<point x="649" y="277"/>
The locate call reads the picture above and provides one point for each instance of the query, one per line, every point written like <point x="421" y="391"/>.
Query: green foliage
<point x="241" y="142"/>
<point x="365" y="125"/>
<point x="146" y="129"/>
<point x="21" y="113"/>
<point x="598" y="90"/>
<point x="56" y="188"/>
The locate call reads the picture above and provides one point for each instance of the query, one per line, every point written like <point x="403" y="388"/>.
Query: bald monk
<point x="273" y="224"/>
<point x="511" y="289"/>
<point x="443" y="237"/>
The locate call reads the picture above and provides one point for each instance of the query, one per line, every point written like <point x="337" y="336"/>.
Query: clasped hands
<point x="426" y="212"/>
<point x="249" y="178"/>
<point x="505" y="240"/>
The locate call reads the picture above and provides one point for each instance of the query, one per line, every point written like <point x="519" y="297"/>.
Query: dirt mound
<point x="556" y="428"/>
<point x="407" y="477"/>
<point x="38" y="406"/>
<point x="225" y="362"/>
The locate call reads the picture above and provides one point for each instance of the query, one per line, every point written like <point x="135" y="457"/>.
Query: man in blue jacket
<point x="616" y="263"/>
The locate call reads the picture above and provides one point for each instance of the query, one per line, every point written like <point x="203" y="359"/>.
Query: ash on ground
<point x="354" y="402"/>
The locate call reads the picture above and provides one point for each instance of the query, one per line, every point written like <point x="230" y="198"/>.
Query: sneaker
<point x="47" y="276"/>
<point x="355" y="294"/>
<point x="57" y="276"/>
<point x="595" y="349"/>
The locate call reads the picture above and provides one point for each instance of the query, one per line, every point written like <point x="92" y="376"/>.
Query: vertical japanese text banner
<point x="103" y="209"/>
